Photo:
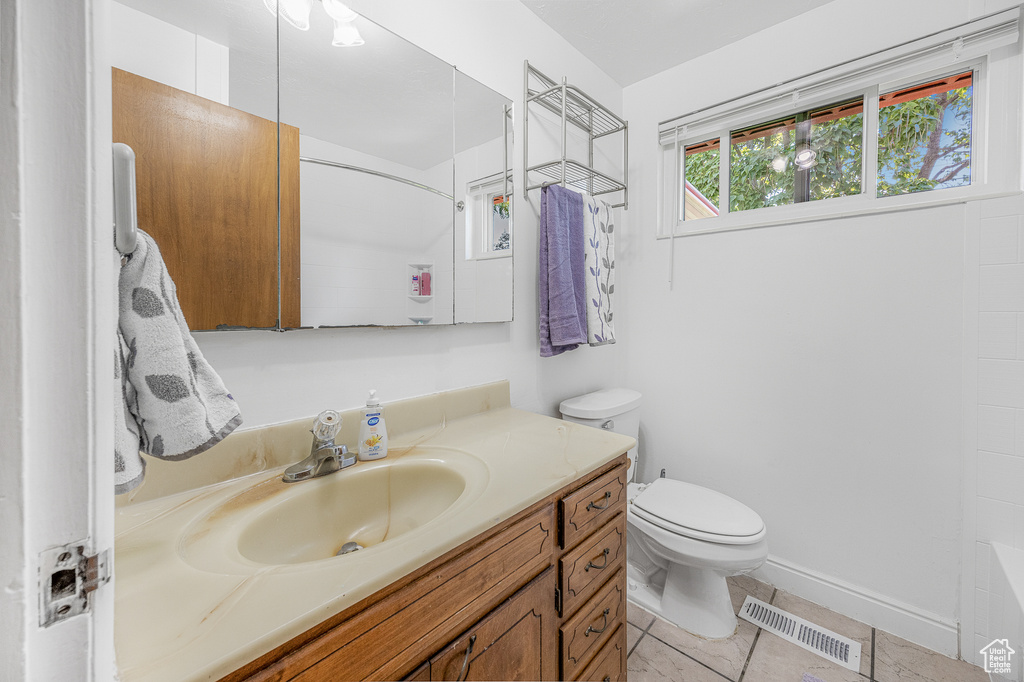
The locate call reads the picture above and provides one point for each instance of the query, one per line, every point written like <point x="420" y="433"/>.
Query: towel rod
<point x="125" y="209"/>
<point x="370" y="171"/>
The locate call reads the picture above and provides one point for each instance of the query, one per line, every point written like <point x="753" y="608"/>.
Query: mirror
<point x="483" y="182"/>
<point x="194" y="91"/>
<point x="376" y="169"/>
<point x="377" y="145"/>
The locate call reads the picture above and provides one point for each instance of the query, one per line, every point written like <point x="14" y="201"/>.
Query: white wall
<point x="276" y="377"/>
<point x="816" y="372"/>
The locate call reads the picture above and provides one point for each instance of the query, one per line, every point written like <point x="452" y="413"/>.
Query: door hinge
<point x="67" y="576"/>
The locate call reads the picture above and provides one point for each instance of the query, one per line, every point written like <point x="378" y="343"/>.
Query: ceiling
<point x="633" y="39"/>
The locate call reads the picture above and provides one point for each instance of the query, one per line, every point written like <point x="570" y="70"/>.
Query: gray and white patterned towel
<point x="172" y="404"/>
<point x="599" y="233"/>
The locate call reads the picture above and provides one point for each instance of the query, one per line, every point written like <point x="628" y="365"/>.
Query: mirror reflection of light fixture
<point x="346" y="35"/>
<point x="295" y="12"/>
<point x="779" y="163"/>
<point x="805" y="156"/>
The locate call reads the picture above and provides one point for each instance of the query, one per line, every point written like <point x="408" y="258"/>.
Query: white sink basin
<point x="367" y="506"/>
<point x="372" y="504"/>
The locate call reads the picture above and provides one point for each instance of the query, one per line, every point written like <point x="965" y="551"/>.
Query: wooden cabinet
<point x="514" y="603"/>
<point x="592" y="627"/>
<point x="515" y="642"/>
<point x="592" y="578"/>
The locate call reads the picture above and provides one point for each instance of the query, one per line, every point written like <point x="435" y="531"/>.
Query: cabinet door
<point x="516" y="641"/>
<point x="207" y="186"/>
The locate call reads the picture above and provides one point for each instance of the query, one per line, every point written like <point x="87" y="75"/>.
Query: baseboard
<point x="903" y="620"/>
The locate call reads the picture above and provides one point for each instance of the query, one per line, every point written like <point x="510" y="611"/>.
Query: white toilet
<point x="683" y="540"/>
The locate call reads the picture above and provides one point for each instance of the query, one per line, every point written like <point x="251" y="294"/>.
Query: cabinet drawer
<point x="585" y="633"/>
<point x="610" y="663"/>
<point x="584" y="569"/>
<point x="587" y="508"/>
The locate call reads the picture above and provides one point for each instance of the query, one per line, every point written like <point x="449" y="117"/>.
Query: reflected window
<point x="500" y="233"/>
<point x="488" y="218"/>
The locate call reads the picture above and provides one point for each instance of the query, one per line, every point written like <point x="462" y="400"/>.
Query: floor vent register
<point x="825" y="643"/>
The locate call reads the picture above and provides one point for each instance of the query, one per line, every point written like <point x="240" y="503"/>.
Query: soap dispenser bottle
<point x="373" y="434"/>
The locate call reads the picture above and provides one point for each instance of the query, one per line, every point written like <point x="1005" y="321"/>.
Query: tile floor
<point x="660" y="651"/>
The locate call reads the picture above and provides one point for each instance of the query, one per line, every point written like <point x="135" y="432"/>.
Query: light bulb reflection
<point x="346" y="35"/>
<point x="805" y="157"/>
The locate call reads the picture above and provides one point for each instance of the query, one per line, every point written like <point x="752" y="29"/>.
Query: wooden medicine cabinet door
<point x="207" y="185"/>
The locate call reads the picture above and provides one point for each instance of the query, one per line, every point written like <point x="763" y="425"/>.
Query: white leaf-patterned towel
<point x="174" y="405"/>
<point x="599" y="246"/>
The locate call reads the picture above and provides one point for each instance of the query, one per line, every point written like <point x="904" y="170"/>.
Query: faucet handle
<point x="327" y="425"/>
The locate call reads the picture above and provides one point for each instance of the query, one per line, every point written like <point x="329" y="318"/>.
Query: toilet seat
<point x="696" y="512"/>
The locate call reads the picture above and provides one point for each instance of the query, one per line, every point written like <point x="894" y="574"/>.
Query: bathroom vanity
<point x="502" y="556"/>
<point x="540" y="596"/>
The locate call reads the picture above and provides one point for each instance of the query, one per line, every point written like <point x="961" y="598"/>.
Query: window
<point x="701" y="180"/>
<point x="895" y="129"/>
<point x="806" y="157"/>
<point x="924" y="136"/>
<point x="923" y="143"/>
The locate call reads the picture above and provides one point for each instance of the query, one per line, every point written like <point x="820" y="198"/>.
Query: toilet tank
<point x="614" y="409"/>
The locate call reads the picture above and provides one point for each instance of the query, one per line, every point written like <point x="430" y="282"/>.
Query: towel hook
<point x="125" y="209"/>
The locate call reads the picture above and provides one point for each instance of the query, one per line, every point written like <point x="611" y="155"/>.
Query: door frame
<point x="57" y="303"/>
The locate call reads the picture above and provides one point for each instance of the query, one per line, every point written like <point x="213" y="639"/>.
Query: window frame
<point x="994" y="171"/>
<point x="478" y="218"/>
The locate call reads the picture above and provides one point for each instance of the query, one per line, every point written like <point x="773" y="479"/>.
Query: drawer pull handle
<point x="604" y="627"/>
<point x="591" y="564"/>
<point x="465" y="661"/>
<point x="607" y="678"/>
<point x="594" y="505"/>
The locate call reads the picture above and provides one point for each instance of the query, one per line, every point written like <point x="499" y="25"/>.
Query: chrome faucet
<point x="324" y="456"/>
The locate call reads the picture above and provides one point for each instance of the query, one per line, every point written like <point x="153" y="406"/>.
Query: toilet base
<point x="694" y="599"/>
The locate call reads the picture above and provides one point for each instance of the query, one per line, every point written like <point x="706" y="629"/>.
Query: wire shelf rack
<point x="577" y="108"/>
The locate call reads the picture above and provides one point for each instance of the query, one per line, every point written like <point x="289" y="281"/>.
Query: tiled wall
<point x="1000" y="448"/>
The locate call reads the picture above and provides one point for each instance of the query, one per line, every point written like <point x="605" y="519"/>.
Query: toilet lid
<point x="608" y="402"/>
<point x="689" y="506"/>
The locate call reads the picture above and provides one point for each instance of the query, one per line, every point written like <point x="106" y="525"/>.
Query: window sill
<point x="833" y="209"/>
<point x="494" y="255"/>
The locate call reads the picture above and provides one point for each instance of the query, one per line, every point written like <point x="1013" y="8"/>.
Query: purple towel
<point x="561" y="285"/>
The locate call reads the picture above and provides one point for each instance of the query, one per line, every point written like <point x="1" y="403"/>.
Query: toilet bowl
<point x="683" y="540"/>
